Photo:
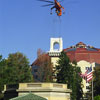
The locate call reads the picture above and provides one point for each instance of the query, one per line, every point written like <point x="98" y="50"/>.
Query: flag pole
<point x="92" y="88"/>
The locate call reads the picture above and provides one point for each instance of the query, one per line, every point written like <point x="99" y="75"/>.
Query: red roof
<point x="79" y="52"/>
<point x="83" y="52"/>
<point x="37" y="62"/>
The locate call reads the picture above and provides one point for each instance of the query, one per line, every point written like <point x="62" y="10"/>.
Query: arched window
<point x="56" y="46"/>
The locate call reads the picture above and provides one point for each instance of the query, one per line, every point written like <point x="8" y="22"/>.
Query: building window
<point x="36" y="76"/>
<point x="35" y="70"/>
<point x="87" y="87"/>
<point x="56" y="46"/>
<point x="86" y="68"/>
<point x="87" y="82"/>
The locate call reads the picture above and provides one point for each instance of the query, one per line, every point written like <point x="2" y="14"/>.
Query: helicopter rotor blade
<point x="47" y="5"/>
<point x="46" y="1"/>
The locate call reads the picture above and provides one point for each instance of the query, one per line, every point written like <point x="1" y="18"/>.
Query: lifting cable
<point x="56" y="27"/>
<point x="59" y="27"/>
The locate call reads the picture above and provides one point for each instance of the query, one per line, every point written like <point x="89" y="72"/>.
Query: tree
<point x="13" y="70"/>
<point x="63" y="66"/>
<point x="97" y="97"/>
<point x="76" y="84"/>
<point x="68" y="73"/>
<point x="18" y="69"/>
<point x="45" y="67"/>
<point x="96" y="81"/>
<point x="2" y="69"/>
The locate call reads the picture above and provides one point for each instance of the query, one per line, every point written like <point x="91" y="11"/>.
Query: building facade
<point x="85" y="56"/>
<point x="49" y="91"/>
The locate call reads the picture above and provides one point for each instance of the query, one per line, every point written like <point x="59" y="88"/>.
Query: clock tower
<point x="54" y="53"/>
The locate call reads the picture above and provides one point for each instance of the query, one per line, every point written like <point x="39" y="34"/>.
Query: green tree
<point x="18" y="69"/>
<point x="63" y="66"/>
<point x="2" y="68"/>
<point x="76" y="84"/>
<point x="15" y="69"/>
<point x="68" y="72"/>
<point x="97" y="97"/>
<point x="96" y="81"/>
<point x="3" y="65"/>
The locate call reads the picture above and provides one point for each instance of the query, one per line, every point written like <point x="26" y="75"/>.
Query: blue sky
<point x="25" y="26"/>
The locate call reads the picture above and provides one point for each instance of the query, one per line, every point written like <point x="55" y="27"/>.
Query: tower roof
<point x="80" y="44"/>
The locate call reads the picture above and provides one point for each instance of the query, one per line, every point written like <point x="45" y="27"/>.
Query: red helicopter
<point x="56" y="5"/>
